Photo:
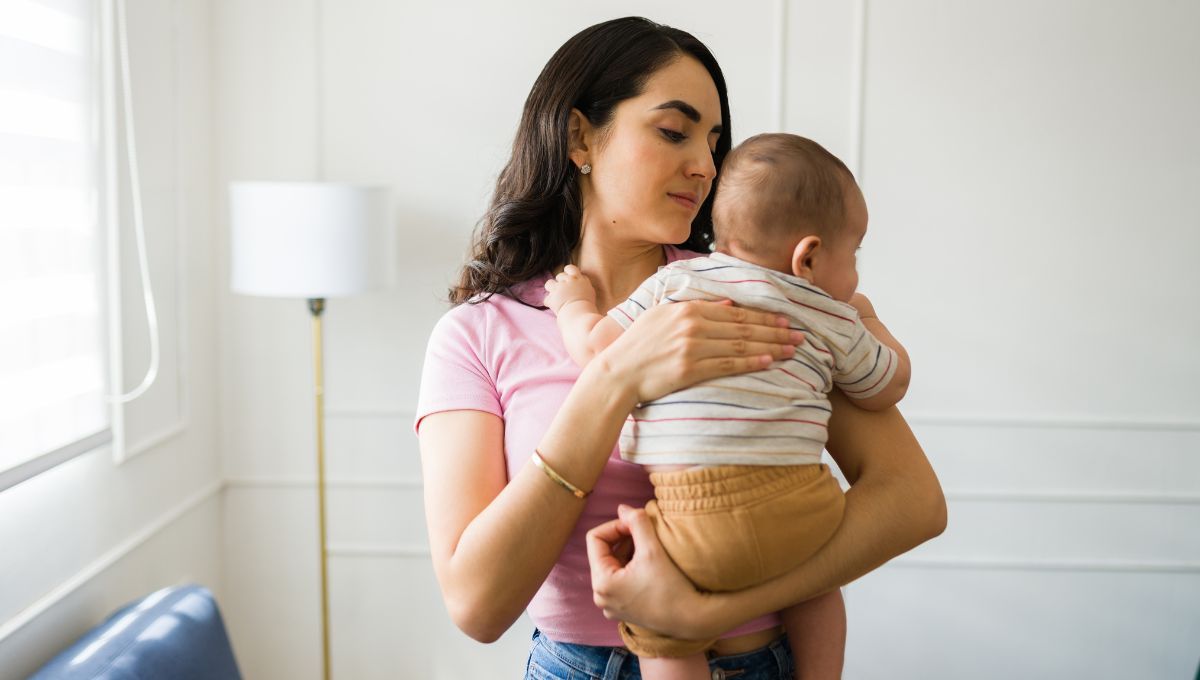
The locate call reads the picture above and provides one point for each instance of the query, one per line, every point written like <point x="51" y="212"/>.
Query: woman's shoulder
<point x="459" y="333"/>
<point x="464" y="322"/>
<point x="472" y="319"/>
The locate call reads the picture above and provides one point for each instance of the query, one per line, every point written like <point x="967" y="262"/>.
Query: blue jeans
<point x="550" y="660"/>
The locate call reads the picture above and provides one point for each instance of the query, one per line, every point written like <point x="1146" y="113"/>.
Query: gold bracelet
<point x="537" y="460"/>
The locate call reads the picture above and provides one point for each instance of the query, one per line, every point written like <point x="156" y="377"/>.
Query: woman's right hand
<point x="673" y="346"/>
<point x="634" y="580"/>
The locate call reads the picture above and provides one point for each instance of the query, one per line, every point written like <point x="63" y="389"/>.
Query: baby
<point x="740" y="493"/>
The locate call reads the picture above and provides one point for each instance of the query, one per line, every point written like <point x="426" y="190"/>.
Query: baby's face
<point x="837" y="273"/>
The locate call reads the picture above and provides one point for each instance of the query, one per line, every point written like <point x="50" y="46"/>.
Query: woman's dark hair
<point x="533" y="222"/>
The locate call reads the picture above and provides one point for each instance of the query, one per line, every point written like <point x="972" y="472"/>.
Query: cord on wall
<point x="138" y="225"/>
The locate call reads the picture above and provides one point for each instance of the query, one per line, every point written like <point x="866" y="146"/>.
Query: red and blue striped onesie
<point x="776" y="416"/>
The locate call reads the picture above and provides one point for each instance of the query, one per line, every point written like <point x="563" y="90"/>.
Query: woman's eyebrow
<point x="687" y="110"/>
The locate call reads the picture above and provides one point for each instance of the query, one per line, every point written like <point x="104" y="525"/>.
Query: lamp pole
<point x="316" y="306"/>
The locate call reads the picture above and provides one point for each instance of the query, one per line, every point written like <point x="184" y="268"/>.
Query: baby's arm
<point x="585" y="331"/>
<point x="898" y="385"/>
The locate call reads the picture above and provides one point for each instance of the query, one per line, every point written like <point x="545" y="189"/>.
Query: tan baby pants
<point x="734" y="526"/>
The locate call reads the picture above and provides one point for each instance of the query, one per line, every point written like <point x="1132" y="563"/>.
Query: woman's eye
<point x="672" y="134"/>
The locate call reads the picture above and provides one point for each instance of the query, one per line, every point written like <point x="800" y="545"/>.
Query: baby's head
<point x="786" y="203"/>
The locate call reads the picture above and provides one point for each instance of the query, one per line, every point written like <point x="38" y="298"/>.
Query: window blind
<point x="52" y="309"/>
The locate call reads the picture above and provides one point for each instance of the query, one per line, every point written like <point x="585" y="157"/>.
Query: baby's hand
<point x="865" y="309"/>
<point x="897" y="387"/>
<point x="569" y="286"/>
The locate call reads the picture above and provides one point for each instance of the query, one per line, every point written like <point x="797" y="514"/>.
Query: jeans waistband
<point x="773" y="662"/>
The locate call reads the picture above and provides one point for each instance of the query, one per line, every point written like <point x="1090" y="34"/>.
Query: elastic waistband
<point x="726" y="486"/>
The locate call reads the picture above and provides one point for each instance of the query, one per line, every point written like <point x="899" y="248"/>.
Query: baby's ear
<point x="803" y="256"/>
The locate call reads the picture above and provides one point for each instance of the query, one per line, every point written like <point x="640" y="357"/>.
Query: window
<point x="53" y="354"/>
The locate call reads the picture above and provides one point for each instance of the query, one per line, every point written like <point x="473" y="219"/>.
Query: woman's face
<point x="652" y="167"/>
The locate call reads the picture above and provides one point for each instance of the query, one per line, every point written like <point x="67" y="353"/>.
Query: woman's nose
<point x="703" y="166"/>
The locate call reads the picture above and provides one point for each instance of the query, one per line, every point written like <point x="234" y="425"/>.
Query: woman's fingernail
<point x="766" y="359"/>
<point x="796" y="337"/>
<point x="781" y="321"/>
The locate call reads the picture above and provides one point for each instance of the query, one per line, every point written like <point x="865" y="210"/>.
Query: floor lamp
<point x="310" y="240"/>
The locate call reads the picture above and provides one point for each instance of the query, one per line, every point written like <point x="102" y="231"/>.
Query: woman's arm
<point x="894" y="504"/>
<point x="493" y="543"/>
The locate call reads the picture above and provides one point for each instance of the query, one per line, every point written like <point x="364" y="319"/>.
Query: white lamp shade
<point x="308" y="239"/>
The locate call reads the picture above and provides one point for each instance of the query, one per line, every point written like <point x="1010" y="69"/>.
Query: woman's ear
<point x="804" y="256"/>
<point x="579" y="137"/>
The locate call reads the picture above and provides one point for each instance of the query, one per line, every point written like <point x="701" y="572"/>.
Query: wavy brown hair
<point x="533" y="222"/>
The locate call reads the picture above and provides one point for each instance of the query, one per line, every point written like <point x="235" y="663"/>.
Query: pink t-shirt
<point x="506" y="358"/>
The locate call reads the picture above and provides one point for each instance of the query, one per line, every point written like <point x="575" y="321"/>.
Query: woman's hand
<point x="673" y="346"/>
<point x="642" y="586"/>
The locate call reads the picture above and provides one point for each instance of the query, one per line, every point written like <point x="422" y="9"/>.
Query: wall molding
<point x="124" y="450"/>
<point x="1058" y="422"/>
<point x="781" y="61"/>
<point x="370" y="410"/>
<point x="953" y="495"/>
<point x="311" y="483"/>
<point x="858" y="94"/>
<point x="111" y="557"/>
<point x="1083" y="497"/>
<point x="349" y="550"/>
<point x="157" y="439"/>
<point x="367" y="551"/>
<point x="926" y="418"/>
<point x="1108" y="566"/>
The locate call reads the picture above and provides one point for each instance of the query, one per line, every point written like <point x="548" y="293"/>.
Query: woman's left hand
<point x="643" y="585"/>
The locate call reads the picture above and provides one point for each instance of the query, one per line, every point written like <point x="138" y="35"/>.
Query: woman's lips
<point x="686" y="200"/>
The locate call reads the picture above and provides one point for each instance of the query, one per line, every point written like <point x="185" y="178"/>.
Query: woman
<point x="614" y="162"/>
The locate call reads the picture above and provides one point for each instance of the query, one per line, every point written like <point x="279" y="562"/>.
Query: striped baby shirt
<point x="776" y="416"/>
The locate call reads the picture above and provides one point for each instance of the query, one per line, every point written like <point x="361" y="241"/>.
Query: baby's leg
<point x="694" y="667"/>
<point x="817" y="634"/>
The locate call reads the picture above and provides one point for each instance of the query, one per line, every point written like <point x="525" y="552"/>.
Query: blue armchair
<point x="174" y="633"/>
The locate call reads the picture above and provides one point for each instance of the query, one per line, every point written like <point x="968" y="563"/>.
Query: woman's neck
<point x="617" y="269"/>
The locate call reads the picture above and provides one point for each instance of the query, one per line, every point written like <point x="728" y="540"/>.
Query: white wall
<point x="1026" y="168"/>
<point x="90" y="535"/>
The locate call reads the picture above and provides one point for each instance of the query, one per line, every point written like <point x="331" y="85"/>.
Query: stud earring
<point x="585" y="169"/>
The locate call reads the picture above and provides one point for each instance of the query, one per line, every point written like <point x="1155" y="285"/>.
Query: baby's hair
<point x="777" y="187"/>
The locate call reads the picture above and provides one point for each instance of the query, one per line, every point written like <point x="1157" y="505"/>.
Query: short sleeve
<point x="455" y="375"/>
<point x="646" y="296"/>
<point x="867" y="366"/>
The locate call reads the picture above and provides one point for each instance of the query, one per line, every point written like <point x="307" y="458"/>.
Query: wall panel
<point x="1026" y="169"/>
<point x="979" y="623"/>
